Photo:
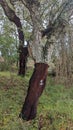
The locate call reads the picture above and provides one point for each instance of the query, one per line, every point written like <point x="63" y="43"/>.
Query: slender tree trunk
<point x="36" y="87"/>
<point x="23" y="60"/>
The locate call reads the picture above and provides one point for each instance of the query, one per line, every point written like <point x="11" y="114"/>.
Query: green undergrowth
<point x="55" y="107"/>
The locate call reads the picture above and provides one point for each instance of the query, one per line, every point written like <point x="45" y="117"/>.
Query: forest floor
<point x="55" y="107"/>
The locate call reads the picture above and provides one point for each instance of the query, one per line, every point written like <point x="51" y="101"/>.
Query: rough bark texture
<point x="36" y="86"/>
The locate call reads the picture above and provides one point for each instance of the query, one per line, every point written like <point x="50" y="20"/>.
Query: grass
<point x="55" y="107"/>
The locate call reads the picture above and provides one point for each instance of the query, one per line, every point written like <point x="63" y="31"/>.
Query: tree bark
<point x="23" y="60"/>
<point x="36" y="87"/>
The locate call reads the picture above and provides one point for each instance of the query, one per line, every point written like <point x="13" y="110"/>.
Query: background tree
<point x="10" y="13"/>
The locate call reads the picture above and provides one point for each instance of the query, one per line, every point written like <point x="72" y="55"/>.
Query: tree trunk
<point x="23" y="60"/>
<point x="36" y="87"/>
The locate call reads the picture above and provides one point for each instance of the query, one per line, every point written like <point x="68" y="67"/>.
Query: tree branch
<point x="57" y="19"/>
<point x="13" y="18"/>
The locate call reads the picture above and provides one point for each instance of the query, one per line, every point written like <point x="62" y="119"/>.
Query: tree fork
<point x="36" y="87"/>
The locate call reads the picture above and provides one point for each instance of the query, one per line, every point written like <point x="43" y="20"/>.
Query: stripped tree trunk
<point x="36" y="87"/>
<point x="16" y="20"/>
<point x="38" y="79"/>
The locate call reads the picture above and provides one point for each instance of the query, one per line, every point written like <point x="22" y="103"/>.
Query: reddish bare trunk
<point x="36" y="86"/>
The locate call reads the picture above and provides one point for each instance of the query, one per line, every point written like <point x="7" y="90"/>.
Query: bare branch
<point x="57" y="18"/>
